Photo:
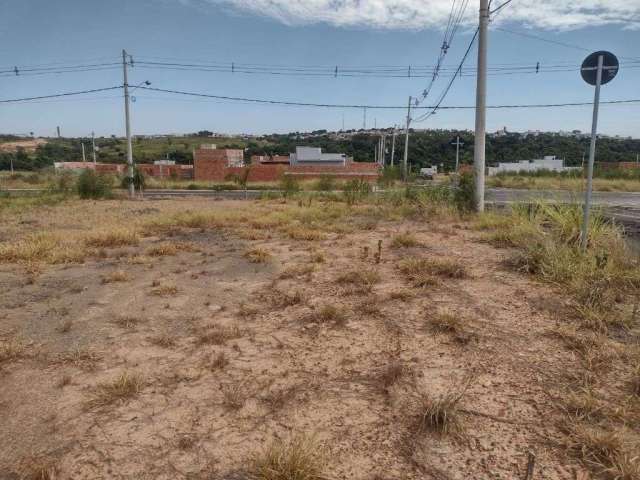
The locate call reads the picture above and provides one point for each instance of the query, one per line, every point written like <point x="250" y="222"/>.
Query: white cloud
<point x="419" y="14"/>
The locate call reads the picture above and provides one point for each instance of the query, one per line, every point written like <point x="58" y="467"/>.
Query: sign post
<point x="598" y="69"/>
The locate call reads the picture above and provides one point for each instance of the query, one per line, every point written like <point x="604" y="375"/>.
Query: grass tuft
<point x="299" y="458"/>
<point x="258" y="255"/>
<point x="118" y="237"/>
<point x="218" y="335"/>
<point x="405" y="240"/>
<point x="10" y="349"/>
<point x="124" y="387"/>
<point x="329" y="314"/>
<point x="117" y="276"/>
<point x="441" y="414"/>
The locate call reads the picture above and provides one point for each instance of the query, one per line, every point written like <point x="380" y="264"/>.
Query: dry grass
<point x="445" y="268"/>
<point x="258" y="255"/>
<point x="164" y="290"/>
<point x="296" y="271"/>
<point x="164" y="340"/>
<point x="219" y="362"/>
<point x="329" y="315"/>
<point x="124" y="387"/>
<point x="450" y="324"/>
<point x="301" y="233"/>
<point x="299" y="458"/>
<point x="441" y="413"/>
<point x="116" y="276"/>
<point x="318" y="257"/>
<point x="79" y="357"/>
<point x="392" y="373"/>
<point x="405" y="240"/>
<point x="611" y="453"/>
<point x="11" y="349"/>
<point x="126" y="321"/>
<point x="38" y="468"/>
<point x="635" y="381"/>
<point x="281" y="299"/>
<point x="402" y="295"/>
<point x="218" y="335"/>
<point x="277" y="399"/>
<point x="117" y="237"/>
<point x="234" y="396"/>
<point x="42" y="247"/>
<point x="166" y="249"/>
<point x="361" y="280"/>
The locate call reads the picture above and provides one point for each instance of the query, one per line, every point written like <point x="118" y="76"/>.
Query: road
<point x="504" y="196"/>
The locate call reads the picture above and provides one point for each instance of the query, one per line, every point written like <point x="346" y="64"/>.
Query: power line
<point x="56" y="95"/>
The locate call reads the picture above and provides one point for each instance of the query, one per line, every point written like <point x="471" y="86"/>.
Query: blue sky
<point x="315" y="32"/>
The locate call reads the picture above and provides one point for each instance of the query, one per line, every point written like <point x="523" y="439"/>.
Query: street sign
<point x="610" y="67"/>
<point x="597" y="69"/>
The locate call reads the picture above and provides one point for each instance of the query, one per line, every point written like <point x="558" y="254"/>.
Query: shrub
<point x="289" y="186"/>
<point x="355" y="190"/>
<point x="92" y="185"/>
<point x="464" y="194"/>
<point x="325" y="183"/>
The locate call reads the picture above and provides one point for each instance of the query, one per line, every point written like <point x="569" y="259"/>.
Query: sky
<point x="296" y="34"/>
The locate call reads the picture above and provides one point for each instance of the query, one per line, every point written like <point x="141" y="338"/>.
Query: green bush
<point x="63" y="182"/>
<point x="289" y="186"/>
<point x="464" y="194"/>
<point x="92" y="185"/>
<point x="326" y="183"/>
<point x="355" y="190"/>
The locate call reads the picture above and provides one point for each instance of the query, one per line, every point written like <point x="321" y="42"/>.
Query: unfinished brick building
<point x="217" y="165"/>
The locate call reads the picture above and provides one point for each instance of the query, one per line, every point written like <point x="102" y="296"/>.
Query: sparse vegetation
<point x="122" y="388"/>
<point x="299" y="458"/>
<point x="405" y="240"/>
<point x="362" y="279"/>
<point x="164" y="289"/>
<point x="117" y="237"/>
<point x="116" y="276"/>
<point x="440" y="413"/>
<point x="233" y="396"/>
<point x="10" y="349"/>
<point x="258" y="255"/>
<point x="218" y="335"/>
<point x="329" y="315"/>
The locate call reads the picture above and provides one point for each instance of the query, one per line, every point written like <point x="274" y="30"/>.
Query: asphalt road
<point x="610" y="199"/>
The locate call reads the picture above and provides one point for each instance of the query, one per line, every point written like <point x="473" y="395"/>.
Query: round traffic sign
<point x="610" y="67"/>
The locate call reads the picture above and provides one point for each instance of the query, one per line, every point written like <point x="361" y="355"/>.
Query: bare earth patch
<point x="292" y="355"/>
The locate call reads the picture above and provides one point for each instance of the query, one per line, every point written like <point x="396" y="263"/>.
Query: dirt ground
<point x="165" y="319"/>
<point x="27" y="145"/>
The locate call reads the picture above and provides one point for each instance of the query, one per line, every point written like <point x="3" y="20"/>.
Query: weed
<point x="258" y="255"/>
<point x="279" y="398"/>
<point x="164" y="290"/>
<point x="300" y="233"/>
<point x="363" y="279"/>
<point x="165" y="249"/>
<point x="10" y="349"/>
<point x="117" y="237"/>
<point x="79" y="357"/>
<point x="281" y="299"/>
<point x="296" y="271"/>
<point x="329" y="314"/>
<point x="405" y="240"/>
<point x="120" y="389"/>
<point x="117" y="276"/>
<point x="440" y="413"/>
<point x="164" y="340"/>
<point x="233" y="396"/>
<point x="299" y="458"/>
<point x="218" y="335"/>
<point x="219" y="361"/>
<point x="423" y="272"/>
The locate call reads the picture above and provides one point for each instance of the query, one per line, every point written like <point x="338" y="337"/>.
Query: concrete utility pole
<point x="393" y="146"/>
<point x="481" y="107"/>
<point x="592" y="155"/>
<point x="58" y="131"/>
<point x="128" y="124"/>
<point x="458" y="144"/>
<point x="93" y="144"/>
<point x="84" y="158"/>
<point x="364" y="121"/>
<point x="406" y="142"/>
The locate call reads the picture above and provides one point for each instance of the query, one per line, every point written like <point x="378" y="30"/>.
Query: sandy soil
<point x="286" y="373"/>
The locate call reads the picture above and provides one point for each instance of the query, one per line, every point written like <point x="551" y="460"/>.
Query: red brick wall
<point x="166" y="171"/>
<point x="617" y="165"/>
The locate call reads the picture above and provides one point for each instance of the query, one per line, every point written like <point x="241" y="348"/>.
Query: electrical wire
<point x="56" y="95"/>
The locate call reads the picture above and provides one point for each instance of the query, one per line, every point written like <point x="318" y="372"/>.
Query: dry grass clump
<point x="441" y="413"/>
<point x="116" y="237"/>
<point x="42" y="247"/>
<point x="164" y="289"/>
<point x="301" y="233"/>
<point x="392" y="373"/>
<point x="318" y="257"/>
<point x="234" y="396"/>
<point x="126" y="321"/>
<point x="122" y="388"/>
<point x="362" y="280"/>
<point x="10" y="349"/>
<point x="164" y="340"/>
<point x="258" y="255"/>
<point x="116" y="276"/>
<point x="218" y="335"/>
<point x="219" y="362"/>
<point x="583" y="404"/>
<point x="611" y="453"/>
<point x="329" y="314"/>
<point x="38" y="468"/>
<point x="169" y="249"/>
<point x="405" y="240"/>
<point x="451" y="324"/>
<point x="299" y="458"/>
<point x="281" y="299"/>
<point x="402" y="295"/>
<point x="296" y="271"/>
<point x="79" y="357"/>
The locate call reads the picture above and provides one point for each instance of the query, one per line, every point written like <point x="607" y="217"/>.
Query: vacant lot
<point x="200" y="339"/>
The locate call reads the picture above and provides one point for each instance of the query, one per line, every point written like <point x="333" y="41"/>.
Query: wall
<point x="166" y="171"/>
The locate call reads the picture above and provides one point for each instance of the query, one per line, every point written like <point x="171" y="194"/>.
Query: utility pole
<point x="93" y="144"/>
<point x="406" y="142"/>
<point x="84" y="158"/>
<point x="458" y="144"/>
<point x="592" y="155"/>
<point x="393" y="146"/>
<point x="128" y="124"/>
<point x="481" y="107"/>
<point x="364" y="122"/>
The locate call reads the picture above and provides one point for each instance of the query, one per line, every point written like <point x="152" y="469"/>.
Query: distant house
<point x="548" y="163"/>
<point x="313" y="156"/>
